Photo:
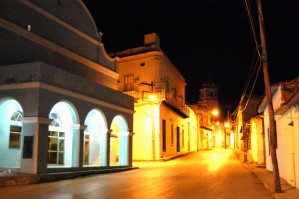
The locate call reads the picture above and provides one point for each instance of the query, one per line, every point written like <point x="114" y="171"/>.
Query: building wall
<point x="143" y="124"/>
<point x="38" y="97"/>
<point x="153" y="73"/>
<point x="51" y="33"/>
<point x="257" y="140"/>
<point x="143" y="67"/>
<point x="287" y="138"/>
<point x="187" y="135"/>
<point x="54" y="59"/>
<point x="287" y="152"/>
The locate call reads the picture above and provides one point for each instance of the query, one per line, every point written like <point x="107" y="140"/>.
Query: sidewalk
<point x="265" y="176"/>
<point x="13" y="179"/>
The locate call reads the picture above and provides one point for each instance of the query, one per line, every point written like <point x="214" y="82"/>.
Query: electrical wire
<point x="249" y="14"/>
<point x="249" y="77"/>
<point x="253" y="85"/>
<point x="257" y="66"/>
<point x="254" y="68"/>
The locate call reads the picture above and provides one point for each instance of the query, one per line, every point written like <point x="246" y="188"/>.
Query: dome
<point x="73" y="12"/>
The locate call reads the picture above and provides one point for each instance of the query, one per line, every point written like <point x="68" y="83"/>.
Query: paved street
<point x="214" y="174"/>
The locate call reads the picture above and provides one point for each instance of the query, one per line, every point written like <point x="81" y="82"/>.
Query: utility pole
<point x="152" y="106"/>
<point x="273" y="133"/>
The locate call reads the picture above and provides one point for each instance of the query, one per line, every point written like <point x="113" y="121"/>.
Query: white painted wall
<point x="9" y="158"/>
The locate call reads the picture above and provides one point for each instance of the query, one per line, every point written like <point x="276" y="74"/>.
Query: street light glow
<point x="153" y="98"/>
<point x="226" y="124"/>
<point x="215" y="112"/>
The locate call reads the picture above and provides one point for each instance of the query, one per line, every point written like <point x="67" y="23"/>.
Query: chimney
<point x="152" y="40"/>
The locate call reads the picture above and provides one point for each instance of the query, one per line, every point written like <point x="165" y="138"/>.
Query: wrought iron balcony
<point x="161" y="96"/>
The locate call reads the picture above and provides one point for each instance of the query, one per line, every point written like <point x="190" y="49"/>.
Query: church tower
<point x="208" y="95"/>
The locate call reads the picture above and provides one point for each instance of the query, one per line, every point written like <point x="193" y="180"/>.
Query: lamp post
<point x="152" y="99"/>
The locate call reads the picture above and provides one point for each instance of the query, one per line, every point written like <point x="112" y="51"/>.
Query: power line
<point x="249" y="14"/>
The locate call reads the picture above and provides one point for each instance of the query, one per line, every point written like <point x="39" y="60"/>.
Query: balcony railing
<point x="137" y="95"/>
<point x="179" y="104"/>
<point x="176" y="104"/>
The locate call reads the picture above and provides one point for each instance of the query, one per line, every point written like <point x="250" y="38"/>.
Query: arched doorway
<point x="119" y="142"/>
<point x="63" y="138"/>
<point x="11" y="133"/>
<point x="95" y="139"/>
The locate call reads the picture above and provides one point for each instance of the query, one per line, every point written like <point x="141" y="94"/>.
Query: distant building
<point x="210" y="127"/>
<point x="208" y="95"/>
<point x="285" y="97"/>
<point x="59" y="107"/>
<point x="163" y="124"/>
<point x="248" y="134"/>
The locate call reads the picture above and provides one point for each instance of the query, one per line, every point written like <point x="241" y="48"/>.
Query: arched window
<point x="15" y="131"/>
<point x="56" y="141"/>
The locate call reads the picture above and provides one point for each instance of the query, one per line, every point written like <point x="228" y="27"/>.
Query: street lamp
<point x="215" y="112"/>
<point x="152" y="99"/>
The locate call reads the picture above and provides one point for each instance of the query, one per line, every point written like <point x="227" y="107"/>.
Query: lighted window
<point x="15" y="131"/>
<point x="56" y="142"/>
<point x="129" y="83"/>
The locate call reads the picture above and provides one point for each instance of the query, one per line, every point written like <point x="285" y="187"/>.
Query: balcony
<point x="175" y="104"/>
<point x="134" y="94"/>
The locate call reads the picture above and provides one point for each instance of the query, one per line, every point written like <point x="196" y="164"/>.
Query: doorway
<point x="178" y="145"/>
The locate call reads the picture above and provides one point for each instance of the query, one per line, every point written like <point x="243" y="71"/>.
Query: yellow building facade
<point x="163" y="124"/>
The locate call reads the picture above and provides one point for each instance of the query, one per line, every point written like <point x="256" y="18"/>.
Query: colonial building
<point x="59" y="105"/>
<point x="207" y="113"/>
<point x="257" y="140"/>
<point x="163" y="124"/>
<point x="285" y="97"/>
<point x="248" y="132"/>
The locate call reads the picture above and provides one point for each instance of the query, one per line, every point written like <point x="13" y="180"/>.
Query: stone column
<point x="125" y="149"/>
<point x="104" y="146"/>
<point x="109" y="131"/>
<point x="78" y="145"/>
<point x="35" y="144"/>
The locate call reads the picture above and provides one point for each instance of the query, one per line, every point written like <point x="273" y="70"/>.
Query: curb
<point x="26" y="179"/>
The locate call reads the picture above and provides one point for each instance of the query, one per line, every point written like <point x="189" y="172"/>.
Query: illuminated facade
<point x="207" y="112"/>
<point x="285" y="98"/>
<point x="59" y="107"/>
<point x="257" y="140"/>
<point x="247" y="130"/>
<point x="163" y="124"/>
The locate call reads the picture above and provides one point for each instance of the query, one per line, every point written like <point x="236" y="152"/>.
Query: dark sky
<point x="206" y="40"/>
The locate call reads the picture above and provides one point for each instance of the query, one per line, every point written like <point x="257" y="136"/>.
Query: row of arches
<point x="65" y="143"/>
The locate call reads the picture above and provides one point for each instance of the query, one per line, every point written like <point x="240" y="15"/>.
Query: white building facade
<point x="59" y="107"/>
<point x="163" y="124"/>
<point x="285" y="98"/>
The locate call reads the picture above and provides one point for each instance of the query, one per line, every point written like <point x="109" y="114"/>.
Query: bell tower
<point x="208" y="95"/>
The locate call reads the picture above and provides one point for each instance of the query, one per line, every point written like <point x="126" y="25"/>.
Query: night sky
<point x="206" y="40"/>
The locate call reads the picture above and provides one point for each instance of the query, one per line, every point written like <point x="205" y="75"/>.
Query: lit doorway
<point x="10" y="133"/>
<point x="95" y="139"/>
<point x="119" y="142"/>
<point x="178" y="139"/>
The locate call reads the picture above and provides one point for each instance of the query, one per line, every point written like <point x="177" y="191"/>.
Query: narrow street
<point x="213" y="174"/>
